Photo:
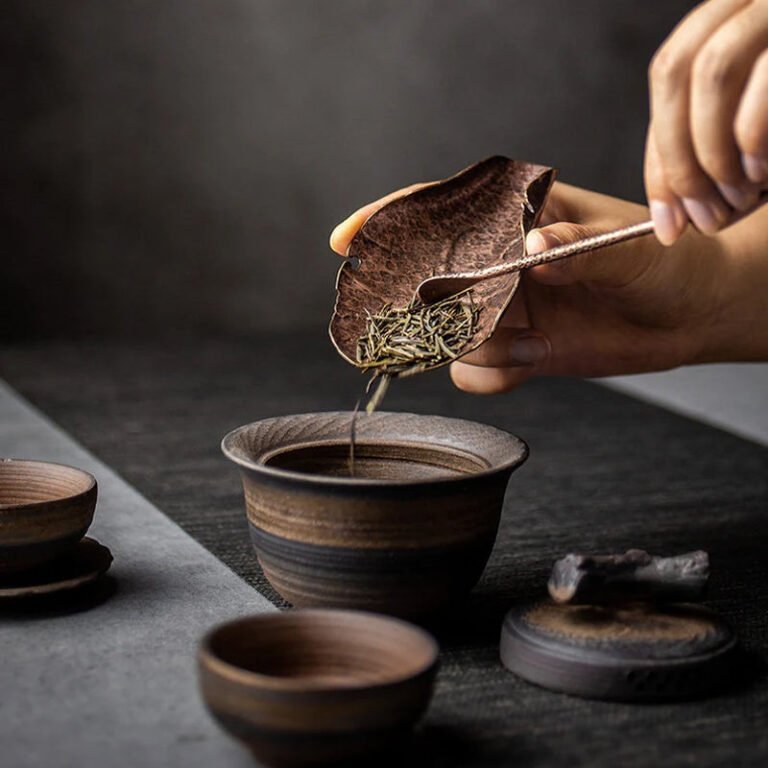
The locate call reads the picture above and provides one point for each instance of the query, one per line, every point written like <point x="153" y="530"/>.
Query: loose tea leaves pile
<point x="400" y="341"/>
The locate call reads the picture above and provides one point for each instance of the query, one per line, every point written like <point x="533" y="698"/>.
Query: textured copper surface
<point x="476" y="219"/>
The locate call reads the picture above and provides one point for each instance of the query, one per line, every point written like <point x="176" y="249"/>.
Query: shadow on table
<point x="476" y="620"/>
<point x="444" y="746"/>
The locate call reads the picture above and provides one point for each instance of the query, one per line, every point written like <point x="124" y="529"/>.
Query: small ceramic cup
<point x="45" y="509"/>
<point x="408" y="534"/>
<point x="317" y="687"/>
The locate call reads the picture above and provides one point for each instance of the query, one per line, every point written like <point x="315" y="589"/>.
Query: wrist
<point x="736" y="328"/>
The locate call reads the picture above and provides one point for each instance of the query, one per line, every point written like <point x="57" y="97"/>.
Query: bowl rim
<point x="92" y="483"/>
<point x="510" y="465"/>
<point x="213" y="663"/>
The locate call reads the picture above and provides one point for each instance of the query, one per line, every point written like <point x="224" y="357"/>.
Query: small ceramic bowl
<point x="45" y="509"/>
<point x="408" y="534"/>
<point x="317" y="686"/>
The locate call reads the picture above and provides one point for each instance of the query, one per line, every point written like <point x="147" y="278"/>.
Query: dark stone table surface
<point x="606" y="472"/>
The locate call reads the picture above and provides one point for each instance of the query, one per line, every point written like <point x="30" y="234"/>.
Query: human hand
<point x="634" y="307"/>
<point x="707" y="147"/>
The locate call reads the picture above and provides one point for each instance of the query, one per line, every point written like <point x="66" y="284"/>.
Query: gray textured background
<point x="175" y="166"/>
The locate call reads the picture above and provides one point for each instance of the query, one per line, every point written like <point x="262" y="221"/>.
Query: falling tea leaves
<point x="402" y="341"/>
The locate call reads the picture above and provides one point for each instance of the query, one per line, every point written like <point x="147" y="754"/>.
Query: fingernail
<point x="741" y="198"/>
<point x="755" y="167"/>
<point x="707" y="216"/>
<point x="535" y="242"/>
<point x="668" y="221"/>
<point x="528" y="350"/>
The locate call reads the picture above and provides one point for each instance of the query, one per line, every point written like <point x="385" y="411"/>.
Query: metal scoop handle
<point x="441" y="286"/>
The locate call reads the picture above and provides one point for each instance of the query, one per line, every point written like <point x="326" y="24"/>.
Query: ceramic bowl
<point x="45" y="509"/>
<point x="317" y="686"/>
<point x="408" y="534"/>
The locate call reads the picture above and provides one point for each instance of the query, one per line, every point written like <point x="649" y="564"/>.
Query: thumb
<point x="607" y="265"/>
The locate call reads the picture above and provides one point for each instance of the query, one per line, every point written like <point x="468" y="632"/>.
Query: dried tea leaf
<point x="401" y="341"/>
<point x="377" y="397"/>
<point x="473" y="220"/>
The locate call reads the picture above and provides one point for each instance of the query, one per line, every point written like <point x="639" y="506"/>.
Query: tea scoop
<point x="439" y="287"/>
<point x="474" y="220"/>
<point x="435" y="243"/>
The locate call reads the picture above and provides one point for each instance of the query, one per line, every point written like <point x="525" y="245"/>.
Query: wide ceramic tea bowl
<point x="317" y="687"/>
<point x="45" y="509"/>
<point x="409" y="533"/>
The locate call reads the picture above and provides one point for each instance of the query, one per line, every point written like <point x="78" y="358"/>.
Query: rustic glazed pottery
<point x="45" y="509"/>
<point x="78" y="566"/>
<point x="624" y="652"/>
<point x="408" y="534"/>
<point x="314" y="687"/>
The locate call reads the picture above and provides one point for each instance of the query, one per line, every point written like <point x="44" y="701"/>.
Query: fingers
<point x="718" y="76"/>
<point x="569" y="203"/>
<point x="509" y="358"/>
<point x="510" y="346"/>
<point x="669" y="216"/>
<point x="751" y="125"/>
<point x="513" y="354"/>
<point x="599" y="214"/>
<point x="682" y="175"/>
<point x="343" y="233"/>
<point x="604" y="266"/>
<point x="487" y="381"/>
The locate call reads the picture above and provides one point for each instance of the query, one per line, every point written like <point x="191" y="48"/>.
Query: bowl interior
<point x="25" y="483"/>
<point x="376" y="461"/>
<point x="390" y="447"/>
<point x="320" y="649"/>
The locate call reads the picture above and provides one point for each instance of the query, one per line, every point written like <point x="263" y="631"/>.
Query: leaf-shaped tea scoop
<point x="476" y="219"/>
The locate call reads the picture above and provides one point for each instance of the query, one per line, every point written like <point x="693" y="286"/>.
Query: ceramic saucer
<point x="85" y="563"/>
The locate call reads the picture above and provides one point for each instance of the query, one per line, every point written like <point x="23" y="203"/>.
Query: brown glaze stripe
<point x="280" y="716"/>
<point x="315" y="516"/>
<point x="407" y="582"/>
<point x="47" y="522"/>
